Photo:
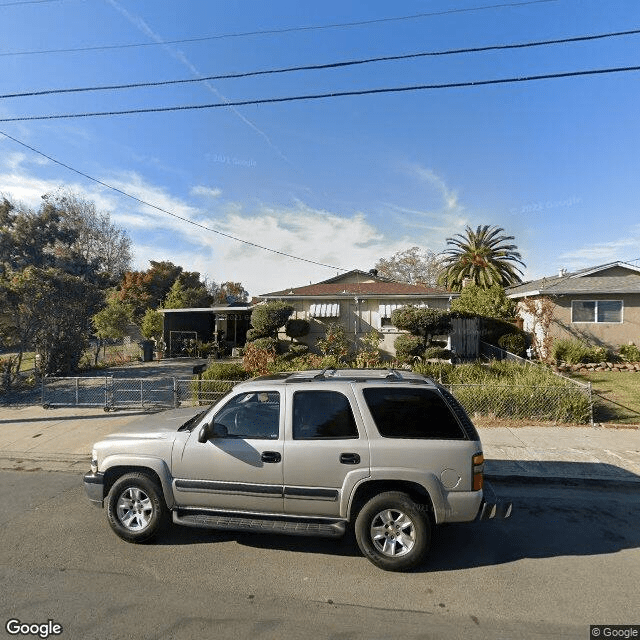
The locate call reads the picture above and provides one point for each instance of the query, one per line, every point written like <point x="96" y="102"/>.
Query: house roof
<point x="361" y="283"/>
<point x="613" y="277"/>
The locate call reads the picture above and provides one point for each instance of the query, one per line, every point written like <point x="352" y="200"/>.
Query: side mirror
<point x="212" y="430"/>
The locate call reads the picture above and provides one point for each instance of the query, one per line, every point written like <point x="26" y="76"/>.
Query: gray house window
<point x="596" y="311"/>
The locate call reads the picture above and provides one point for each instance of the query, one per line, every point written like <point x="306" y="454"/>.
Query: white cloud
<point x="205" y="192"/>
<point x="626" y="248"/>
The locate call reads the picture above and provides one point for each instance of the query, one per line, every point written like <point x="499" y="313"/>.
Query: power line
<point x="13" y="4"/>
<point x="170" y="213"/>
<point x="267" y="32"/>
<point x="329" y="65"/>
<point x="322" y="96"/>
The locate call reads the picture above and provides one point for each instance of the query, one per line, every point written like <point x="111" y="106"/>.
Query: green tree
<point x="490" y="301"/>
<point x="423" y="324"/>
<point x="484" y="257"/>
<point x="231" y="293"/>
<point x="335" y="343"/>
<point x="186" y="297"/>
<point x="110" y="323"/>
<point x="152" y="325"/>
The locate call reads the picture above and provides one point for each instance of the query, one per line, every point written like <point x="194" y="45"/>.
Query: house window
<point x="596" y="311"/>
<point x="330" y="310"/>
<point x="385" y="311"/>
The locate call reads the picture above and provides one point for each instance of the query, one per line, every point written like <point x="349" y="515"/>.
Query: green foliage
<point x="225" y="371"/>
<point x="295" y="328"/>
<point x="152" y="325"/>
<point x="269" y="344"/>
<point x="297" y="350"/>
<point x="576" y="352"/>
<point x="490" y="301"/>
<point x="630" y="352"/>
<point x="492" y="330"/>
<point x="181" y="296"/>
<point x="421" y="321"/>
<point x="335" y="343"/>
<point x="514" y="343"/>
<point x="112" y="321"/>
<point x="267" y="318"/>
<point x="408" y="347"/>
<point x="437" y="353"/>
<point x="484" y="256"/>
<point x="368" y="355"/>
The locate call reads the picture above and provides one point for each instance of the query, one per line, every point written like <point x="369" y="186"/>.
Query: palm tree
<point x="483" y="257"/>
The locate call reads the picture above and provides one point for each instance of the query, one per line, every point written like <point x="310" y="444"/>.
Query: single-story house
<point x="599" y="305"/>
<point x="226" y="325"/>
<point x="361" y="301"/>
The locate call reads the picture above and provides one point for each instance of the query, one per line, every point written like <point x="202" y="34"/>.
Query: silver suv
<point x="309" y="453"/>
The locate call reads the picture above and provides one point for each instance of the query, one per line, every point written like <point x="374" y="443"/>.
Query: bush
<point x="408" y="347"/>
<point x="267" y="318"/>
<point x="514" y="343"/>
<point x="422" y="322"/>
<point x="575" y="352"/>
<point x="297" y="328"/>
<point x="335" y="343"/>
<point x="437" y="353"/>
<point x="297" y="350"/>
<point x="629" y="352"/>
<point x="268" y="344"/>
<point x="225" y="371"/>
<point x="257" y="361"/>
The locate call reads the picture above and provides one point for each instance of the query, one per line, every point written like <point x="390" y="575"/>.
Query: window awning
<point x="323" y="310"/>
<point x="386" y="310"/>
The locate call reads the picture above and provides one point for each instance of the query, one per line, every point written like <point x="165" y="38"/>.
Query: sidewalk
<point x="33" y="438"/>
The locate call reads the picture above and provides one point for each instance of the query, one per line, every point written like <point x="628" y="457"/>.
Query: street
<point x="568" y="557"/>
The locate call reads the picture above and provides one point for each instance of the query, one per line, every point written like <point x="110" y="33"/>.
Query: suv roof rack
<point x="356" y="375"/>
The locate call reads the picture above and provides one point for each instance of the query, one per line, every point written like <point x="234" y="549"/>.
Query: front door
<point x="241" y="470"/>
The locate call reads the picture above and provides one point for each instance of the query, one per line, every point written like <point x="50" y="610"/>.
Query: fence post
<point x="590" y="402"/>
<point x="42" y="394"/>
<point x="176" y="399"/>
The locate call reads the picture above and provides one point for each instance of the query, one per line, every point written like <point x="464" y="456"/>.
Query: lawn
<point x="616" y="395"/>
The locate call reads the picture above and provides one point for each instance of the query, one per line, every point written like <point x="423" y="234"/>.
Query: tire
<point x="136" y="509"/>
<point x="393" y="532"/>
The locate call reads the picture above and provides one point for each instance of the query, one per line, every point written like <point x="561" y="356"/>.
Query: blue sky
<point x="343" y="181"/>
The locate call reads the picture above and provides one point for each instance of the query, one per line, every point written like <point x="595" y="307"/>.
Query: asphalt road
<point x="569" y="557"/>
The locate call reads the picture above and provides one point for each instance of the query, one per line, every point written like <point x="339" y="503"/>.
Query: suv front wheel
<point x="136" y="509"/>
<point x="393" y="531"/>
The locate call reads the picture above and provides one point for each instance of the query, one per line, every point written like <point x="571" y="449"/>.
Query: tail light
<point x="478" y="470"/>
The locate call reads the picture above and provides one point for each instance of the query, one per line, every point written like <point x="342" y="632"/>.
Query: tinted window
<point x="412" y="413"/>
<point x="251" y="415"/>
<point x="322" y="414"/>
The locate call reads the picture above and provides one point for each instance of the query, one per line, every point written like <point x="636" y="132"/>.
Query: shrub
<point x="630" y="352"/>
<point x="575" y="352"/>
<point x="267" y="318"/>
<point x="335" y="343"/>
<point x="268" y="344"/>
<point x="514" y="343"/>
<point x="297" y="350"/>
<point x="437" y="353"/>
<point x="297" y="328"/>
<point x="257" y="361"/>
<point x="408" y="346"/>
<point x="422" y="322"/>
<point x="368" y="355"/>
<point x="225" y="371"/>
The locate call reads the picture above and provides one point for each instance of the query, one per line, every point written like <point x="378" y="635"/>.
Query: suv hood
<point x="158" y="426"/>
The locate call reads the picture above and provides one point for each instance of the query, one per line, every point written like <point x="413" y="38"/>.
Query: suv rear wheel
<point x="393" y="532"/>
<point x="135" y="507"/>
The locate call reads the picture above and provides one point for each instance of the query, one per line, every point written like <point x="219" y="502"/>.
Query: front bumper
<point x="492" y="507"/>
<point x="94" y="486"/>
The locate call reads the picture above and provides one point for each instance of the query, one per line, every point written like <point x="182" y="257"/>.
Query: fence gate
<point x="465" y="338"/>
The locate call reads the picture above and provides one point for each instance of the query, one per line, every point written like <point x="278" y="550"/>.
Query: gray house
<point x="599" y="305"/>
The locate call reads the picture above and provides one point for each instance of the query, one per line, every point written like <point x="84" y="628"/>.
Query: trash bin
<point x="147" y="350"/>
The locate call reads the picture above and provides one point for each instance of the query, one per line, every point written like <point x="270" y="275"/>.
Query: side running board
<point x="253" y="523"/>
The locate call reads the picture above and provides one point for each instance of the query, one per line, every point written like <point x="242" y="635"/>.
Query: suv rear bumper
<point x="492" y="507"/>
<point x="94" y="486"/>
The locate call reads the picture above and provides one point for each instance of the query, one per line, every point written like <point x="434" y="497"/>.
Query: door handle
<point x="270" y="456"/>
<point x="350" y="458"/>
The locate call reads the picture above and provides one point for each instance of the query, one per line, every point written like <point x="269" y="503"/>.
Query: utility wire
<point x="329" y="65"/>
<point x="169" y="213"/>
<point x="322" y="96"/>
<point x="267" y="32"/>
<point x="14" y="4"/>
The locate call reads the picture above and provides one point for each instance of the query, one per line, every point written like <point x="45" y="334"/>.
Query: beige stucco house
<point x="359" y="300"/>
<point x="600" y="305"/>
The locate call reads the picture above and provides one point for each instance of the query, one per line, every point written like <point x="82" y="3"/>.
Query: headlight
<point x="94" y="461"/>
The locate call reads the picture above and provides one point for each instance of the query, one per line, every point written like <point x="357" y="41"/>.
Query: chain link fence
<point x="131" y="393"/>
<point x="562" y="404"/>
